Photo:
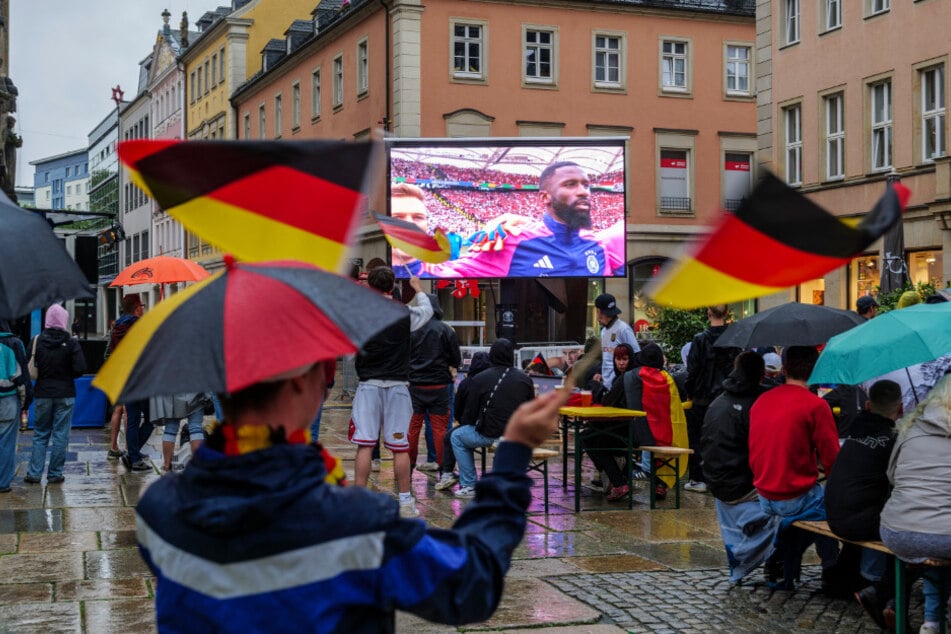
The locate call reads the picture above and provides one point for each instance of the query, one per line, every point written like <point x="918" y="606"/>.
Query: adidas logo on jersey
<point x="544" y="263"/>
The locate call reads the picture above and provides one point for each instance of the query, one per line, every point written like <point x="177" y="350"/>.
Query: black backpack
<point x="717" y="365"/>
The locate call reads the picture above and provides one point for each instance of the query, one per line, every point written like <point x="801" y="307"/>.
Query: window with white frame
<point x="674" y="180"/>
<point x="207" y="77"/>
<point x="221" y="62"/>
<point x="278" y="116"/>
<point x="608" y="50"/>
<point x="791" y="18"/>
<point x="295" y="105"/>
<point x="933" y="115"/>
<point x="338" y="82"/>
<point x="738" y="60"/>
<point x="467" y="50"/>
<point x="832" y="14"/>
<point x="198" y="93"/>
<point x="539" y="56"/>
<point x="880" y="102"/>
<point x="792" y="117"/>
<point x="737" y="178"/>
<point x="878" y="6"/>
<point x="363" y="68"/>
<point x="247" y="125"/>
<point x="262" y="121"/>
<point x="315" y="93"/>
<point x="214" y="70"/>
<point x="674" y="65"/>
<point x="835" y="137"/>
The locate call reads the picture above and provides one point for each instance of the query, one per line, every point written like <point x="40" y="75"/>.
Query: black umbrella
<point x="35" y="269"/>
<point x="791" y="324"/>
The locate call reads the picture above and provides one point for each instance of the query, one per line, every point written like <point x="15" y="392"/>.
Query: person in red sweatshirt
<point x="789" y="427"/>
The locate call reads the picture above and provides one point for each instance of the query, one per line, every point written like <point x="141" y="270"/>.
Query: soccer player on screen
<point x="407" y="203"/>
<point x="562" y="244"/>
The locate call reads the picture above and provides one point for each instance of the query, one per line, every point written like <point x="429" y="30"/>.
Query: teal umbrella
<point x="890" y="341"/>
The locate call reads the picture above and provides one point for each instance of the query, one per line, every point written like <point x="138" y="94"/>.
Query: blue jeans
<point x="931" y="585"/>
<point x="51" y="420"/>
<point x="464" y="440"/>
<point x="9" y="424"/>
<point x="874" y="564"/>
<point x="136" y="433"/>
<point x="219" y="413"/>
<point x="195" y="430"/>
<point x="810" y="505"/>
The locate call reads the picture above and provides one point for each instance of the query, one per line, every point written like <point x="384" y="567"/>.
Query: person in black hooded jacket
<point x="494" y="395"/>
<point x="447" y="469"/>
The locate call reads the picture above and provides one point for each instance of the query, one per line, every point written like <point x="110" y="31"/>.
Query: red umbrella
<point x="162" y="269"/>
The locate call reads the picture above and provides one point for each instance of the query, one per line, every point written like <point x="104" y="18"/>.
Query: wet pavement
<point x="68" y="561"/>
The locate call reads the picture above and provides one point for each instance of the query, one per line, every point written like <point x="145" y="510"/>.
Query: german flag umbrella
<point x="260" y="200"/>
<point x="245" y="324"/>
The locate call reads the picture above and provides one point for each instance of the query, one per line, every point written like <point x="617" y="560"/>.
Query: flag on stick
<point x="777" y="238"/>
<point x="414" y="241"/>
<point x="260" y="200"/>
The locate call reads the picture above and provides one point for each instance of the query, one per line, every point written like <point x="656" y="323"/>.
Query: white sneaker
<point x="429" y="466"/>
<point x="375" y="465"/>
<point x="447" y="481"/>
<point x="465" y="492"/>
<point x="408" y="509"/>
<point x="696" y="487"/>
<point x="928" y="629"/>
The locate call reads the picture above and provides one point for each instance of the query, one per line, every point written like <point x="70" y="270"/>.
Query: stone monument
<point x="10" y="140"/>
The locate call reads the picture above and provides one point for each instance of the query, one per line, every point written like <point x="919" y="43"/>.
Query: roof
<point x="56" y="157"/>
<point x="732" y="7"/>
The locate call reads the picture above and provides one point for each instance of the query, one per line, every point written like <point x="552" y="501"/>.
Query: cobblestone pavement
<point x="68" y="560"/>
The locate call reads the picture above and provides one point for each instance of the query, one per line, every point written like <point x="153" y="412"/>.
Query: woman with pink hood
<point x="59" y="360"/>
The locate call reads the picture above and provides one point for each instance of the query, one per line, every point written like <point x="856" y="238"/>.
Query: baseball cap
<point x="865" y="302"/>
<point x="607" y="305"/>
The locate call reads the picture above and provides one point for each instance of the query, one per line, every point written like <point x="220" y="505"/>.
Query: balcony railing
<point x="732" y="204"/>
<point x="673" y="203"/>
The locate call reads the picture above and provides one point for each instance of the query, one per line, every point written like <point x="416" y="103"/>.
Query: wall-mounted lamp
<point x="944" y="219"/>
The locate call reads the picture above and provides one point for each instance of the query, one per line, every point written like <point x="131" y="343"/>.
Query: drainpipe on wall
<point x="386" y="116"/>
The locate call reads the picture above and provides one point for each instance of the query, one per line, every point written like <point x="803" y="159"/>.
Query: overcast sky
<point x="65" y="57"/>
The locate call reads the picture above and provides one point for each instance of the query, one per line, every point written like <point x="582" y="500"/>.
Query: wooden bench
<point x="538" y="464"/>
<point x="901" y="601"/>
<point x="665" y="459"/>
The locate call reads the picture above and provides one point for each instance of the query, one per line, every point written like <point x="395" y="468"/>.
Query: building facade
<point x="104" y="198"/>
<point x="839" y="130"/>
<point x="62" y="181"/>
<point x="673" y="77"/>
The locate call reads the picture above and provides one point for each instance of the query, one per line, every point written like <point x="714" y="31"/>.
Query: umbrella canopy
<point x="890" y="341"/>
<point x="242" y="325"/>
<point x="161" y="269"/>
<point x="35" y="269"/>
<point x="791" y="324"/>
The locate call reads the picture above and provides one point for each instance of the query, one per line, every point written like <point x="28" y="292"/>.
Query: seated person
<point x="857" y="489"/>
<point x="493" y="396"/>
<point x="748" y="533"/>
<point x="602" y="443"/>
<point x="914" y="522"/>
<point x="652" y="390"/>
<point x="447" y="476"/>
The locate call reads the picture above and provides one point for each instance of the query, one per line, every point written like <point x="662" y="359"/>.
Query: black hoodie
<point x="479" y="362"/>
<point x="724" y="444"/>
<point x="59" y="360"/>
<point x="493" y="399"/>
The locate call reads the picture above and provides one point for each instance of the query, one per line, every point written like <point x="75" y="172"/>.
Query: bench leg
<point x="652" y="486"/>
<point x="901" y="598"/>
<point x="545" y="476"/>
<point x="677" y="481"/>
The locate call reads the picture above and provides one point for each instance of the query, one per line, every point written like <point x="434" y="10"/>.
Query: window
<point x="608" y="51"/>
<point x="467" y="51"/>
<point x="791" y="17"/>
<point x="69" y="190"/>
<point x="247" y="125"/>
<point x="674" y="66"/>
<point x="674" y="180"/>
<point x="737" y="178"/>
<point x="832" y="15"/>
<point x="145" y="244"/>
<point x="199" y="82"/>
<point x="878" y="6"/>
<point x="278" y="116"/>
<point x="363" y="68"/>
<point x="207" y="77"/>
<point x="192" y="95"/>
<point x="880" y="98"/>
<point x="338" y="82"/>
<point x="835" y="137"/>
<point x="738" y="70"/>
<point x="315" y="94"/>
<point x="214" y="70"/>
<point x="539" y="56"/>
<point x="295" y="105"/>
<point x="221" y="65"/>
<point x="932" y="113"/>
<point x="792" y="117"/>
<point x="262" y="121"/>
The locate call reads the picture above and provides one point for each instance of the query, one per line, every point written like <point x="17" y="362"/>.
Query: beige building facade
<point x="850" y="94"/>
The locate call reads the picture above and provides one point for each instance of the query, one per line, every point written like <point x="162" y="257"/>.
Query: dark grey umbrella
<point x="791" y="324"/>
<point x="35" y="269"/>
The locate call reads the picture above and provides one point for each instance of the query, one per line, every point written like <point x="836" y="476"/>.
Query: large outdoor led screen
<point x="513" y="208"/>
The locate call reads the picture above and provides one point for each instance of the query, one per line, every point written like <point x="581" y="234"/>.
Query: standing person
<point x="434" y="350"/>
<point x="914" y="521"/>
<point x="168" y="412"/>
<point x="789" y="427"/>
<point x="257" y="537"/>
<point x="494" y="395"/>
<point x="748" y="533"/>
<point x="16" y="391"/>
<point x="614" y="331"/>
<point x="856" y="491"/>
<point x="866" y="306"/>
<point x="447" y="476"/>
<point x="382" y="401"/>
<point x="707" y="367"/>
<point x="132" y="309"/>
<point x="59" y="361"/>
